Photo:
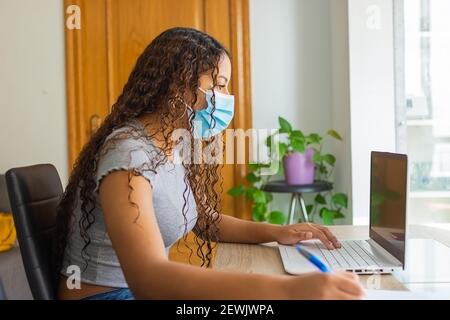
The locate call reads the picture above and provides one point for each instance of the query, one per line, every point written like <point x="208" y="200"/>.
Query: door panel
<point x="101" y="55"/>
<point x="134" y="24"/>
<point x="87" y="72"/>
<point x="217" y="22"/>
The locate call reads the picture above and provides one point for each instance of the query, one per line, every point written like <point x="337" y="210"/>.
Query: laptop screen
<point x="388" y="188"/>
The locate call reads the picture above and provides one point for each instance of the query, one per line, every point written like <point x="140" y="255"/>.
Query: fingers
<point x="319" y="234"/>
<point x="349" y="275"/>
<point x="323" y="234"/>
<point x="328" y="286"/>
<point x="349" y="284"/>
<point x="330" y="236"/>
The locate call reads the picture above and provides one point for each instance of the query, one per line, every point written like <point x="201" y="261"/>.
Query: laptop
<point x="384" y="251"/>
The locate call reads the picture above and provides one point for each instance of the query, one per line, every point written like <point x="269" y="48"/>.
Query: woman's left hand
<point x="293" y="234"/>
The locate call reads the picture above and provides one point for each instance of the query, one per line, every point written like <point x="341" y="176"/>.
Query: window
<point x="422" y="45"/>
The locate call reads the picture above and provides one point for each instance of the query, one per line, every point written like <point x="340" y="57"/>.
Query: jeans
<point x="116" y="294"/>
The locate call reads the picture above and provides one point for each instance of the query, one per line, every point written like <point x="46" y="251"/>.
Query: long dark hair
<point x="165" y="74"/>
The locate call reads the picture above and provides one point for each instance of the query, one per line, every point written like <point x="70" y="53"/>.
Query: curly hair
<point x="165" y="74"/>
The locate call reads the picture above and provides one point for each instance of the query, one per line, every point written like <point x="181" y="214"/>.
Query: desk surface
<point x="265" y="259"/>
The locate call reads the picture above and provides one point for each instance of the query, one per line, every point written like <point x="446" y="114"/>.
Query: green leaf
<point x="340" y="200"/>
<point x="328" y="217"/>
<point x="309" y="208"/>
<point x="259" y="211"/>
<point x="297" y="134"/>
<point x="313" y="138"/>
<point x="320" y="199"/>
<point x="298" y="140"/>
<point x="236" y="191"/>
<point x="280" y="167"/>
<point x="323" y="170"/>
<point x="322" y="211"/>
<point x="329" y="158"/>
<point x="269" y="197"/>
<point x="255" y="166"/>
<point x="338" y="215"/>
<point x="283" y="149"/>
<point x="298" y="146"/>
<point x="269" y="141"/>
<point x="334" y="134"/>
<point x="285" y="126"/>
<point x="259" y="196"/>
<point x="277" y="217"/>
<point x="317" y="158"/>
<point x="252" y="178"/>
<point x="249" y="193"/>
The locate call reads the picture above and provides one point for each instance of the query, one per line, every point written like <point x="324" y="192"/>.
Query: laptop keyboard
<point x="352" y="254"/>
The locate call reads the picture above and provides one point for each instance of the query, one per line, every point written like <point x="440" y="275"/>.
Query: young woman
<point x="129" y="199"/>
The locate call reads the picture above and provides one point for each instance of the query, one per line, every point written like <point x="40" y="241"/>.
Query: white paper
<point x="402" y="295"/>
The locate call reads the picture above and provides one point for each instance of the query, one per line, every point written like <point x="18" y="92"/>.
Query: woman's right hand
<point x="325" y="286"/>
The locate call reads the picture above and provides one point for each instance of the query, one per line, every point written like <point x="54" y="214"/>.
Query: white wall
<point x="290" y="43"/>
<point x="341" y="99"/>
<point x="372" y="93"/>
<point x="300" y="71"/>
<point x="32" y="84"/>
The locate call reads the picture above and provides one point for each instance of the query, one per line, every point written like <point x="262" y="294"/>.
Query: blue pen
<point x="312" y="258"/>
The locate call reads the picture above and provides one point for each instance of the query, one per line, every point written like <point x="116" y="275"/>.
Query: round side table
<point x="280" y="186"/>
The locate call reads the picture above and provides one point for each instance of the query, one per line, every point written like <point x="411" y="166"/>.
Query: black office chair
<point x="34" y="194"/>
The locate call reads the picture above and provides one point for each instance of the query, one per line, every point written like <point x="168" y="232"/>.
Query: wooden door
<point x="101" y="54"/>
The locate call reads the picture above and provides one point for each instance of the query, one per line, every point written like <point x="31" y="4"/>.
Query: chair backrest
<point x="34" y="194"/>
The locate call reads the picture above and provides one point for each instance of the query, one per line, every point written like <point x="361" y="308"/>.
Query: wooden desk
<point x="265" y="259"/>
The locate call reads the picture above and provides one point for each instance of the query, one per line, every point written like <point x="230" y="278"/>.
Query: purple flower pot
<point x="299" y="168"/>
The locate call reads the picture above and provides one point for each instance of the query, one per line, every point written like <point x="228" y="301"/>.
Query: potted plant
<point x="301" y="154"/>
<point x="305" y="148"/>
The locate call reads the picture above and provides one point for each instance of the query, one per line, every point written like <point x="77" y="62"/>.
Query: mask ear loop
<point x="206" y="94"/>
<point x="213" y="98"/>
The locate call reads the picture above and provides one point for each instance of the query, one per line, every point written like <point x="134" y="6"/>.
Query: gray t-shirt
<point x="168" y="187"/>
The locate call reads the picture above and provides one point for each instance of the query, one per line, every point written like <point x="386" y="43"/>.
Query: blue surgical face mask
<point x="208" y="123"/>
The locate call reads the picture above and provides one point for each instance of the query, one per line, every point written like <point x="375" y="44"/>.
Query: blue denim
<point x="117" y="294"/>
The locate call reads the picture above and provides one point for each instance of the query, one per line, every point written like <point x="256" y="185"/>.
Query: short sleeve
<point x="126" y="155"/>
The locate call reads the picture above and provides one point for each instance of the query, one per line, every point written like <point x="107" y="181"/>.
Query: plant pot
<point x="299" y="168"/>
